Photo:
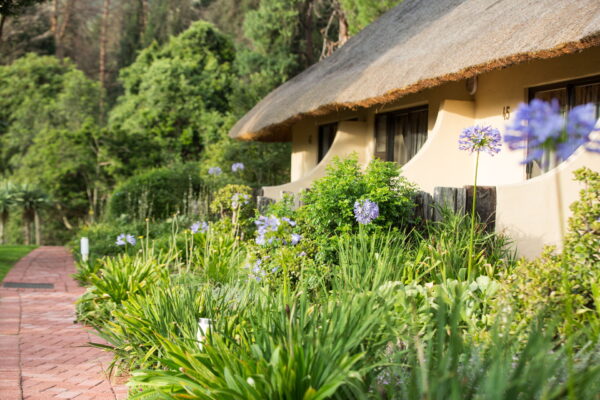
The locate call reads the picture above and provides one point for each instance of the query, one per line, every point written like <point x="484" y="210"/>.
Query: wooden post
<point x="486" y="205"/>
<point x="262" y="203"/>
<point x="453" y="199"/>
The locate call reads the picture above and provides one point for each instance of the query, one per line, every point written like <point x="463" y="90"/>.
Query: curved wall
<point x="529" y="212"/>
<point x="350" y="138"/>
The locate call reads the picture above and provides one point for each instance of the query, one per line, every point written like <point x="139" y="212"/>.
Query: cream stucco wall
<point x="531" y="223"/>
<point x="350" y="138"/>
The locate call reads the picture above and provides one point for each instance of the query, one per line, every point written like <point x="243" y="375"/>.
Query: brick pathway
<point x="43" y="354"/>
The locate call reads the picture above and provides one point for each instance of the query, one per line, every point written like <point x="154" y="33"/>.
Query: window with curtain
<point x="569" y="94"/>
<point x="327" y="134"/>
<point x="399" y="135"/>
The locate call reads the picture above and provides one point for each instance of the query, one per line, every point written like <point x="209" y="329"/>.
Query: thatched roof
<point x="420" y="44"/>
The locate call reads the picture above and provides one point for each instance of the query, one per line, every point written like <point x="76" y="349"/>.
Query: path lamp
<point x="204" y="326"/>
<point x="85" y="248"/>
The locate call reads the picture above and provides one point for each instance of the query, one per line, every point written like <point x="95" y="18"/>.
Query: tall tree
<point x="361" y="13"/>
<point x="176" y="95"/>
<point x="102" y="62"/>
<point x="62" y="12"/>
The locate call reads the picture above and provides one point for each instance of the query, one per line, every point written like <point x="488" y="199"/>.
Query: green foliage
<point x="7" y="200"/>
<point x="39" y="94"/>
<point x="443" y="246"/>
<point x="265" y="164"/>
<point x="329" y="205"/>
<point x="157" y="193"/>
<point x="217" y="255"/>
<point x="293" y="352"/>
<point x="117" y="280"/>
<point x="583" y="239"/>
<point x="361" y="13"/>
<point x="49" y="133"/>
<point x="445" y="364"/>
<point x="176" y="95"/>
<point x="167" y="312"/>
<point x="232" y="198"/>
<point x="9" y="255"/>
<point x="275" y="51"/>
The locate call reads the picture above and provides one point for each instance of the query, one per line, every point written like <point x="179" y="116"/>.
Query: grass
<point x="9" y="255"/>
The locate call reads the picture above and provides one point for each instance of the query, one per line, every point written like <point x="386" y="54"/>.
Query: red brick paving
<point x="43" y="353"/>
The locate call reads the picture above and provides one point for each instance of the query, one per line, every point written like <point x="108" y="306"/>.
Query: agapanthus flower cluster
<point x="540" y="127"/>
<point x="365" y="211"/>
<point x="480" y="138"/>
<point x="125" y="238"/>
<point x="239" y="199"/>
<point x="257" y="272"/>
<point x="238" y="166"/>
<point x="271" y="229"/>
<point x="215" y="171"/>
<point x="199" y="226"/>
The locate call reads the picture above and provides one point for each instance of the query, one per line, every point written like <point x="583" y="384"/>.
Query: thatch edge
<point x="279" y="132"/>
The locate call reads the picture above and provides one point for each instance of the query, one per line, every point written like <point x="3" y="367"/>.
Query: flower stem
<point x="474" y="203"/>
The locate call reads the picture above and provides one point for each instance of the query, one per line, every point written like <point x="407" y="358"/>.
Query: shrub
<point x="236" y="204"/>
<point x="299" y="351"/>
<point x="157" y="193"/>
<point x="444" y="363"/>
<point x="117" y="279"/>
<point x="165" y="312"/>
<point x="329" y="204"/>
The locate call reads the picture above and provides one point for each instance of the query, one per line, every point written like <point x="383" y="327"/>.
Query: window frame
<point x="570" y="86"/>
<point x="389" y="150"/>
<point x="321" y="152"/>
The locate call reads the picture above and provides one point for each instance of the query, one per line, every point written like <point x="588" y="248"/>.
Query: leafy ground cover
<point x="349" y="296"/>
<point x="9" y="255"/>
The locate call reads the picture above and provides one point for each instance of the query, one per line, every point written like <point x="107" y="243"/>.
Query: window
<point x="326" y="136"/>
<point x="399" y="135"/>
<point x="569" y="94"/>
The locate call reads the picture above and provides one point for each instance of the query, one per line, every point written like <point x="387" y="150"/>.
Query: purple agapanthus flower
<point x="365" y="211"/>
<point x="199" y="226"/>
<point x="480" y="138"/>
<point x="540" y="127"/>
<point x="125" y="238"/>
<point x="121" y="240"/>
<point x="238" y="166"/>
<point x="296" y="239"/>
<point x="257" y="271"/>
<point x="289" y="221"/>
<point x="215" y="171"/>
<point x="239" y="199"/>
<point x="130" y="239"/>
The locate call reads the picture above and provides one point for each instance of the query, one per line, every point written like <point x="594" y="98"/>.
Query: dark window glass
<point x="326" y="136"/>
<point x="399" y="135"/>
<point x="569" y="95"/>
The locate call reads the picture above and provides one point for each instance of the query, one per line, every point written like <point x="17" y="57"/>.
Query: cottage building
<point x="404" y="88"/>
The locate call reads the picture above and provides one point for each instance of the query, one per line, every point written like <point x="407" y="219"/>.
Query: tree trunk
<point x="343" y="26"/>
<point x="143" y="20"/>
<point x="308" y="33"/>
<point x="102" y="62"/>
<point x="2" y="20"/>
<point x="38" y="228"/>
<point x="59" y="28"/>
<point x="27" y="231"/>
<point x="3" y="221"/>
